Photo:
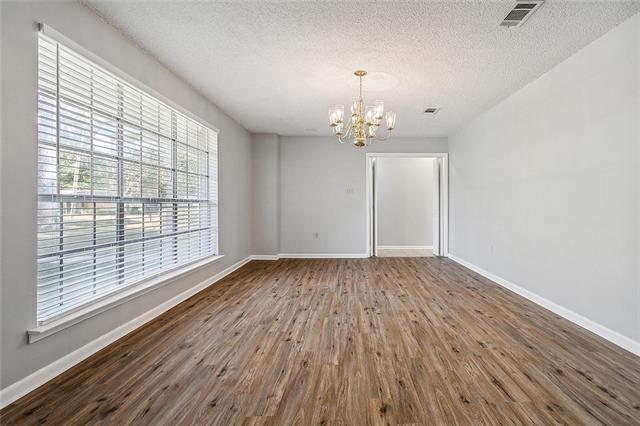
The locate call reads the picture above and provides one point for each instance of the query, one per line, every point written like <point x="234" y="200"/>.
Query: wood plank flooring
<point x="348" y="341"/>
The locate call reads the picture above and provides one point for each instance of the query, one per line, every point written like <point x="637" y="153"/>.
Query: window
<point x="127" y="186"/>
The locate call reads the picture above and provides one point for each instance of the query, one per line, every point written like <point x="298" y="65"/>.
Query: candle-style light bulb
<point x="339" y="113"/>
<point x="332" y="117"/>
<point x="391" y="120"/>
<point x="379" y="109"/>
<point x="370" y="115"/>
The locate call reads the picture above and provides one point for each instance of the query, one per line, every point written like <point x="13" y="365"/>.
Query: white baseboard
<point x="264" y="257"/>
<point x="602" y="331"/>
<point x="309" y="256"/>
<point x="322" y="255"/>
<point x="405" y="247"/>
<point x="40" y="377"/>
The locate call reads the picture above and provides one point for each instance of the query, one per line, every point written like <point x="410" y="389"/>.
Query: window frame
<point x="115" y="296"/>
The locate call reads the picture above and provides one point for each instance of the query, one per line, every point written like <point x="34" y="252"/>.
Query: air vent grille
<point x="525" y="6"/>
<point x="517" y="15"/>
<point x="520" y="13"/>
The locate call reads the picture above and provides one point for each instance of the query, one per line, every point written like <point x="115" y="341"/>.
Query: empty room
<point x="319" y="212"/>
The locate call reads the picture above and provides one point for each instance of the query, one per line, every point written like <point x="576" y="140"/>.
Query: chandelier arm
<point x="384" y="138"/>
<point x="345" y="137"/>
<point x="347" y="133"/>
<point x="348" y="129"/>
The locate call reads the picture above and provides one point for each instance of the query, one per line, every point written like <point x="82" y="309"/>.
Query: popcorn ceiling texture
<point x="277" y="66"/>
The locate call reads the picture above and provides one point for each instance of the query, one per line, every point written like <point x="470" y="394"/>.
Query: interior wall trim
<point x="322" y="255"/>
<point x="265" y="257"/>
<point x="405" y="247"/>
<point x="584" y="322"/>
<point x="22" y="387"/>
<point x="309" y="256"/>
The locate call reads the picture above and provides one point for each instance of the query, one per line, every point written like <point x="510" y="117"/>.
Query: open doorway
<point x="407" y="204"/>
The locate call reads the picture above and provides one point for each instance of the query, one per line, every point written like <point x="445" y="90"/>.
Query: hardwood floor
<point x="348" y="341"/>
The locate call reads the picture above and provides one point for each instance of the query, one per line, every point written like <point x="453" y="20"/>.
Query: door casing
<point x="441" y="166"/>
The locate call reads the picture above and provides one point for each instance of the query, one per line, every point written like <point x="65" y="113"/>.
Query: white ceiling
<point x="277" y="66"/>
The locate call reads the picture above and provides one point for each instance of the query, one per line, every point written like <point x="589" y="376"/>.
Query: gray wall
<point x="545" y="186"/>
<point x="18" y="179"/>
<point x="322" y="190"/>
<point x="404" y="193"/>
<point x="265" y="173"/>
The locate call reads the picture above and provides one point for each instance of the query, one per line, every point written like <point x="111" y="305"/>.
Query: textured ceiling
<point x="277" y="66"/>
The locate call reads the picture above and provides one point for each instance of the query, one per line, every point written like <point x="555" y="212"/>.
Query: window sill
<point x="110" y="302"/>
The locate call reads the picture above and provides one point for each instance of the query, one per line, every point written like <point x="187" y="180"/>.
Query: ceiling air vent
<point x="520" y="13"/>
<point x="431" y="111"/>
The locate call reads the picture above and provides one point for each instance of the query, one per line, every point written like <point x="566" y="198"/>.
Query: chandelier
<point x="362" y="128"/>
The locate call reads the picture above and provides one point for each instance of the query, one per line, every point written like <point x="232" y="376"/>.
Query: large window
<point x="127" y="186"/>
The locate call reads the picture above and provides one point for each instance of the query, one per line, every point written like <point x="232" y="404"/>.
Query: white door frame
<point x="372" y="221"/>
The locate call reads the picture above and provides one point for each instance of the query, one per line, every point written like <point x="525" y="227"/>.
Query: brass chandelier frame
<point x="362" y="127"/>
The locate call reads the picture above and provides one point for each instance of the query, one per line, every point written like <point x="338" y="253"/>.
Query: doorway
<point x="407" y="204"/>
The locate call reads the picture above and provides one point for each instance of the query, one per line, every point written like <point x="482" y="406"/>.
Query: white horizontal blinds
<point x="127" y="186"/>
